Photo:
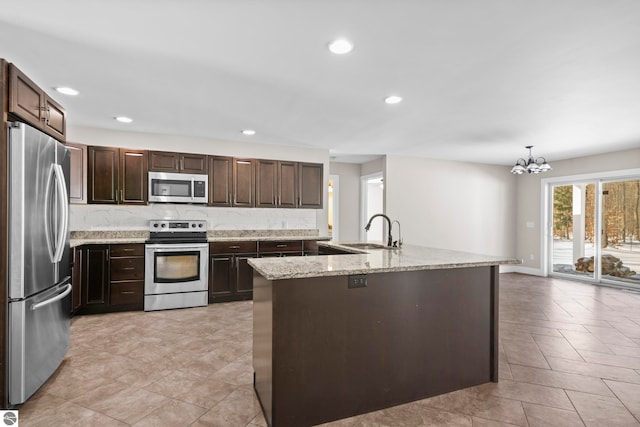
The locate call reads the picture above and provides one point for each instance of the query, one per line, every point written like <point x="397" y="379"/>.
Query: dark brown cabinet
<point x="276" y="184"/>
<point x="33" y="105"/>
<point x="95" y="278"/>
<point x="287" y="184"/>
<point x="126" y="277"/>
<point x="220" y="181"/>
<point x="310" y="185"/>
<point x="78" y="172"/>
<point x="230" y="276"/>
<point x="165" y="161"/>
<point x="243" y="183"/>
<point x="280" y="248"/>
<point x="116" y="176"/>
<point x="266" y="183"/>
<point x="76" y="279"/>
<point x="111" y="278"/>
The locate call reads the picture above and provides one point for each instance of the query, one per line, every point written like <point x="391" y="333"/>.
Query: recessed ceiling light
<point x="67" y="91"/>
<point x="123" y="119"/>
<point x="340" y="46"/>
<point x="393" y="99"/>
<point x="248" y="132"/>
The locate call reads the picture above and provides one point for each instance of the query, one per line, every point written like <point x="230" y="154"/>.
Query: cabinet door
<point x="220" y="276"/>
<point x="133" y="178"/>
<point x="164" y="161"/>
<point x="78" y="173"/>
<point x="310" y="185"/>
<point x="266" y="183"/>
<point x="193" y="163"/>
<point x="26" y="99"/>
<point x="95" y="276"/>
<point x="76" y="279"/>
<point x="54" y="122"/>
<point x="243" y="183"/>
<point x="287" y="184"/>
<point x="244" y="275"/>
<point x="220" y="180"/>
<point x="102" y="175"/>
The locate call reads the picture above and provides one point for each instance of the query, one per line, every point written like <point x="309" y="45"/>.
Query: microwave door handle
<point x="63" y="201"/>
<point x="193" y="189"/>
<point x="47" y="214"/>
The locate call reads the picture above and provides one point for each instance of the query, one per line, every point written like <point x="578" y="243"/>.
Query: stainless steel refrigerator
<point x="39" y="259"/>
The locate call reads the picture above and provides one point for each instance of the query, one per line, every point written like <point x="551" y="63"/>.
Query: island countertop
<point x="407" y="258"/>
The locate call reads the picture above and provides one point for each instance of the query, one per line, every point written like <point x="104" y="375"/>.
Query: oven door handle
<point x="172" y="247"/>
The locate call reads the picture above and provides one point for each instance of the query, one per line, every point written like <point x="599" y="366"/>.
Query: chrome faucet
<point x="389" y="237"/>
<point x="398" y="243"/>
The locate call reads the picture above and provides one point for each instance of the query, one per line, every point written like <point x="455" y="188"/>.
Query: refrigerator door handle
<point x="47" y="214"/>
<point x="63" y="200"/>
<point x="58" y="297"/>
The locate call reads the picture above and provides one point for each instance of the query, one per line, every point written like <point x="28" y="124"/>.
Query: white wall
<point x="452" y="205"/>
<point x="349" y="203"/>
<point x="101" y="216"/>
<point x="529" y="198"/>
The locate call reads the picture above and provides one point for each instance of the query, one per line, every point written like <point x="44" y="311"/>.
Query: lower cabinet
<point x="230" y="276"/>
<point x="111" y="278"/>
<point x="127" y="277"/>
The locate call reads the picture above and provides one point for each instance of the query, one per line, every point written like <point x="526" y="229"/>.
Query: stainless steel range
<point x="176" y="260"/>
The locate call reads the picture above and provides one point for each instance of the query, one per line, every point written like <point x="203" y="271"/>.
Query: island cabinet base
<point x="324" y="351"/>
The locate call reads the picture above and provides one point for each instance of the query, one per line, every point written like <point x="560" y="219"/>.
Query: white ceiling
<point x="480" y="79"/>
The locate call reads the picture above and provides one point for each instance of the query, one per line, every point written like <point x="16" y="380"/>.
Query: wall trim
<point x="523" y="270"/>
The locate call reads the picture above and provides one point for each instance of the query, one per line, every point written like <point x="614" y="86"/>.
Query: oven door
<point x="176" y="267"/>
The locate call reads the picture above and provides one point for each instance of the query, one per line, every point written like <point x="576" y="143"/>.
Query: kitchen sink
<point x="365" y="246"/>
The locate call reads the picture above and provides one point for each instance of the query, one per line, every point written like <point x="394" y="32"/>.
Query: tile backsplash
<point x="105" y="217"/>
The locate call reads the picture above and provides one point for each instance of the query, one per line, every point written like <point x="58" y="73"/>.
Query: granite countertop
<point x="407" y="258"/>
<point x="105" y="237"/>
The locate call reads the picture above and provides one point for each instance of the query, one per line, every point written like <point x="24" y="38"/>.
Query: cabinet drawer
<point x="127" y="250"/>
<point x="281" y="246"/>
<point x="127" y="293"/>
<point x="232" y="247"/>
<point x="127" y="269"/>
<point x="310" y="246"/>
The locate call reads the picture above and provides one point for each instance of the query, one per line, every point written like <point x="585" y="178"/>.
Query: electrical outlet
<point x="357" y="281"/>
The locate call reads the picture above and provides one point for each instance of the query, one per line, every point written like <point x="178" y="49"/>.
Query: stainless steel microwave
<point x="178" y="187"/>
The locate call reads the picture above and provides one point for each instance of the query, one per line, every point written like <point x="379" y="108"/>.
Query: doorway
<point x="372" y="202"/>
<point x="333" y="207"/>
<point x="595" y="229"/>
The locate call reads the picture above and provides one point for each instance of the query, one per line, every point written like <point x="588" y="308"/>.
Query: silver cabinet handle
<point x="234" y="247"/>
<point x="281" y="246"/>
<point x="52" y="300"/>
<point x="128" y="268"/>
<point x="127" y="292"/>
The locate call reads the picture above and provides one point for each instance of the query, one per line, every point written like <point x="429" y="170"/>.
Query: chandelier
<point x="529" y="165"/>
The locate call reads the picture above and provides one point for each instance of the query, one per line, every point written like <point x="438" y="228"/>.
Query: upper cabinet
<point x="78" y="172"/>
<point x="117" y="176"/>
<point x="164" y="161"/>
<point x="266" y="183"/>
<point x="243" y="183"/>
<point x="310" y="185"/>
<point x="34" y="106"/>
<point x="220" y="181"/>
<point x="287" y="184"/>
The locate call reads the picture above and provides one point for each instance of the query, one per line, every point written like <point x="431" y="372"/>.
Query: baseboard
<point x="522" y="270"/>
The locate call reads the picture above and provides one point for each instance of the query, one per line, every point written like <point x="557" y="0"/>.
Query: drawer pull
<point x="127" y="292"/>
<point x="234" y="247"/>
<point x="281" y="246"/>
<point x="128" y="268"/>
<point x="127" y="250"/>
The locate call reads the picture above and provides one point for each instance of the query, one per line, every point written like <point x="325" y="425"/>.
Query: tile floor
<point x="570" y="356"/>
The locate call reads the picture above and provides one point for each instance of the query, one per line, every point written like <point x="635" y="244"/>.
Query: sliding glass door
<point x="572" y="246"/>
<point x="621" y="231"/>
<point x="596" y="230"/>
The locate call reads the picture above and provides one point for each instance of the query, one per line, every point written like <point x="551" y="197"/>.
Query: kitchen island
<point x="340" y="335"/>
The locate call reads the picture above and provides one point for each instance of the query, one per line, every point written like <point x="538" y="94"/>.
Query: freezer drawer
<point x="39" y="333"/>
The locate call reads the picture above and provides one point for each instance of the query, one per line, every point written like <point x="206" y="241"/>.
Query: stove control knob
<point x="163" y="225"/>
<point x="200" y="225"/>
<point x="193" y="226"/>
<point x="156" y="225"/>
